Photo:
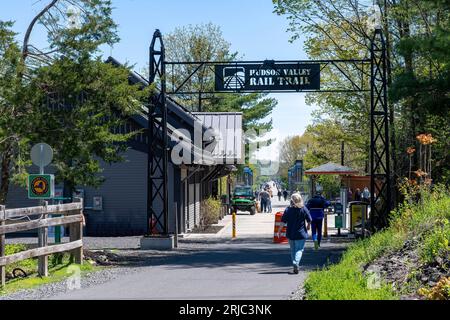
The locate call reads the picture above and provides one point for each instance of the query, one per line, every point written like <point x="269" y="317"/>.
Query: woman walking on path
<point x="298" y="221"/>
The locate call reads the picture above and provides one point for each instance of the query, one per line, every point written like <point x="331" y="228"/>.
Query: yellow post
<point x="234" y="225"/>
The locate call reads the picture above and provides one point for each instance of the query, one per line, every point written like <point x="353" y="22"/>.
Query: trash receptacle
<point x="338" y="218"/>
<point x="358" y="214"/>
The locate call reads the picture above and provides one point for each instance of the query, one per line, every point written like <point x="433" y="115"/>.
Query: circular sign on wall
<point x="39" y="186"/>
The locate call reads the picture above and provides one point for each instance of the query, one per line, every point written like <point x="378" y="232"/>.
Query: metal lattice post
<point x="380" y="171"/>
<point x="157" y="199"/>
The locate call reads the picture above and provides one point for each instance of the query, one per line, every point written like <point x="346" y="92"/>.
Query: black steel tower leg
<point x="157" y="200"/>
<point x="380" y="170"/>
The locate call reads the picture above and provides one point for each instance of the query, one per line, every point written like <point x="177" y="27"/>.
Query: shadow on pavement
<point x="262" y="259"/>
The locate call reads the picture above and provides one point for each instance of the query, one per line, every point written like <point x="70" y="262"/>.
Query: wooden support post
<point x="76" y="233"/>
<point x="2" y="248"/>
<point x="71" y="214"/>
<point x="43" y="242"/>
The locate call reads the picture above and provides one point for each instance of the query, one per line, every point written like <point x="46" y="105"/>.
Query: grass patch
<point x="56" y="274"/>
<point x="29" y="265"/>
<point x="60" y="268"/>
<point x="427" y="220"/>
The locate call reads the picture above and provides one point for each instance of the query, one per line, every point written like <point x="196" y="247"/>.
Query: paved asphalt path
<point x="251" y="267"/>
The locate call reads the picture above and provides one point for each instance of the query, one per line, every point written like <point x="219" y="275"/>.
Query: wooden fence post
<point x="76" y="233"/>
<point x="72" y="215"/>
<point x="43" y="242"/>
<point x="2" y="248"/>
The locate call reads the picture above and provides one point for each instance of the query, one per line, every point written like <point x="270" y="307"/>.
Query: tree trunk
<point x="6" y="160"/>
<point x="68" y="190"/>
<point x="411" y="106"/>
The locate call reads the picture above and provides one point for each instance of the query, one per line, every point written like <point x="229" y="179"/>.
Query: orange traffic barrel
<point x="278" y="223"/>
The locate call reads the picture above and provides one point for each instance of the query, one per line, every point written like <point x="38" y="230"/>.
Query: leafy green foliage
<point x="13" y="118"/>
<point x="81" y="128"/>
<point x="418" y="39"/>
<point x="28" y="265"/>
<point x="205" y="42"/>
<point x="436" y="244"/>
<point x="426" y="86"/>
<point x="56" y="273"/>
<point x="343" y="282"/>
<point x="326" y="139"/>
<point x="73" y="100"/>
<point x="210" y="212"/>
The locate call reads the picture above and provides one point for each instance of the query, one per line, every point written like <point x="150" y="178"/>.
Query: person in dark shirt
<point x="316" y="206"/>
<point x="298" y="221"/>
<point x="265" y="198"/>
<point x="358" y="194"/>
<point x="285" y="194"/>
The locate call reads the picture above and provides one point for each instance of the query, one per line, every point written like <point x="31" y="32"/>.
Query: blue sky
<point x="249" y="25"/>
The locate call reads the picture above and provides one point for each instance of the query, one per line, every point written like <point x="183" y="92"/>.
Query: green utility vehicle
<point x="244" y="199"/>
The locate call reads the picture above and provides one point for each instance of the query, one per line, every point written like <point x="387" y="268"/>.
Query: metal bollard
<point x="233" y="235"/>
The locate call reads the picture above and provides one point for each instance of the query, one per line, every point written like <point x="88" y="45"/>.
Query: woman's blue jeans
<point x="297" y="247"/>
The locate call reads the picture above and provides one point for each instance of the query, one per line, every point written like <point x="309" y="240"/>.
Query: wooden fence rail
<point x="72" y="215"/>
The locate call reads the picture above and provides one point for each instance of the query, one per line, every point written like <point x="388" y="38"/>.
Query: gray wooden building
<point x="119" y="206"/>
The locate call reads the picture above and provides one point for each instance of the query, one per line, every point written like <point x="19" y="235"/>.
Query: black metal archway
<point x="375" y="67"/>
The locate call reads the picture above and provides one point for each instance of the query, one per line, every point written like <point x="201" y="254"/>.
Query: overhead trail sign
<point x="267" y="76"/>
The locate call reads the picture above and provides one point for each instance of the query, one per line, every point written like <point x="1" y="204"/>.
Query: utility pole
<point x="342" y="153"/>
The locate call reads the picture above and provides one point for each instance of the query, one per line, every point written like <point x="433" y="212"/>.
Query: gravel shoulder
<point x="124" y="259"/>
<point x="262" y="264"/>
<point x="252" y="263"/>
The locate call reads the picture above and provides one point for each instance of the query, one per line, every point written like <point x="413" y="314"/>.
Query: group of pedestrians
<point x="359" y="195"/>
<point x="283" y="194"/>
<point x="299" y="219"/>
<point x="265" y="198"/>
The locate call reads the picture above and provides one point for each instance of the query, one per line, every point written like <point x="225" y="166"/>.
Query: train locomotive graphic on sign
<point x="268" y="76"/>
<point x="234" y="78"/>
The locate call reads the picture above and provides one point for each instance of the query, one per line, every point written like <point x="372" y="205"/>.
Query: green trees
<point x="422" y="85"/>
<point x="67" y="97"/>
<point x="291" y="149"/>
<point x="205" y="42"/>
<point x="321" y="143"/>
<point x="12" y="119"/>
<point x="417" y="37"/>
